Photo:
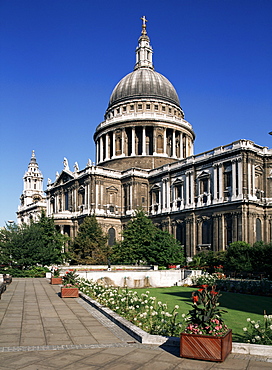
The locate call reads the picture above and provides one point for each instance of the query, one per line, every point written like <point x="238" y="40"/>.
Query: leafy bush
<point x="259" y="332"/>
<point x="34" y="271"/>
<point x="257" y="287"/>
<point x="142" y="310"/>
<point x="204" y="279"/>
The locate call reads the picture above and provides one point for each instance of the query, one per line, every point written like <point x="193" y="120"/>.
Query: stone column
<point x="220" y="185"/>
<point x="163" y="195"/>
<point x="133" y="141"/>
<point x="215" y="184"/>
<point x="168" y="200"/>
<point x="164" y="142"/>
<point x="187" y="189"/>
<point x="215" y="233"/>
<point x="101" y="149"/>
<point x="97" y="151"/>
<point x="144" y="142"/>
<point x="96" y="196"/>
<point x="221" y="233"/>
<point x="191" y="187"/>
<point x="107" y="147"/>
<point x="253" y="180"/>
<point x="174" y="144"/>
<point x="233" y="185"/>
<point x="180" y="145"/>
<point x="113" y="145"/>
<point x="186" y="146"/>
<point x="240" y="179"/>
<point x="249" y="178"/>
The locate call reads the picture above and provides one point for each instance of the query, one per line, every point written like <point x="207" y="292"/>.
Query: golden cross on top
<point x="144" y="20"/>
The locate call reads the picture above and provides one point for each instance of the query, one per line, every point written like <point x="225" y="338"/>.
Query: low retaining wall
<point x="142" y="279"/>
<point x="145" y="338"/>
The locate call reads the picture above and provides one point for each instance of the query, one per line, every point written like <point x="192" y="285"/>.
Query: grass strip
<point x="239" y="306"/>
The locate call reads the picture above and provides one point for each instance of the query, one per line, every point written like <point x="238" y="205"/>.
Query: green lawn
<point x="239" y="306"/>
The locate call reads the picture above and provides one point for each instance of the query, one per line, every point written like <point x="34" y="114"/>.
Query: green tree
<point x="238" y="257"/>
<point x="90" y="245"/>
<point x="29" y="245"/>
<point x="143" y="242"/>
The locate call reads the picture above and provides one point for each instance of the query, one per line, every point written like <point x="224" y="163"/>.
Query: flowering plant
<point x="76" y="285"/>
<point x="142" y="310"/>
<point x="70" y="279"/>
<point x="55" y="271"/>
<point x="205" y="317"/>
<point x="259" y="332"/>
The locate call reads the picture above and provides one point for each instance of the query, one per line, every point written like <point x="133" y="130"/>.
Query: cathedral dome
<point x="144" y="83"/>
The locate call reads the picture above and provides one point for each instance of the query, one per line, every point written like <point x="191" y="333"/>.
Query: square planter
<point x="69" y="292"/>
<point x="205" y="347"/>
<point x="56" y="280"/>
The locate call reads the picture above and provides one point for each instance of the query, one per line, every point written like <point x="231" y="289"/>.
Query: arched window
<point x="258" y="230"/>
<point x="111" y="234"/>
<point x="159" y="144"/>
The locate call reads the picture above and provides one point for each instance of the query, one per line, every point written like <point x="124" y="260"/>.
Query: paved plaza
<point x="39" y="330"/>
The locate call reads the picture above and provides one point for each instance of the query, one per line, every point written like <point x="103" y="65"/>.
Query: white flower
<point x="252" y="322"/>
<point x="183" y="315"/>
<point x="248" y="320"/>
<point x="270" y="327"/>
<point x="245" y="329"/>
<point x="176" y="307"/>
<point x="257" y="337"/>
<point x="257" y="326"/>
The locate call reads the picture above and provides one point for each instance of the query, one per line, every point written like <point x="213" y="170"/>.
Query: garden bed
<point x="145" y="338"/>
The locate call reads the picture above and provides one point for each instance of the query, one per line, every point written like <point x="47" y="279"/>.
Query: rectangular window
<point x="124" y="109"/>
<point x="140" y="106"/>
<point x="156" y="107"/>
<point x="132" y="107"/>
<point x="147" y="106"/>
<point x="163" y="108"/>
<point x="66" y="201"/>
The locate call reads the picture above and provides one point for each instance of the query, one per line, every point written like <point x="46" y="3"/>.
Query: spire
<point x="144" y="50"/>
<point x="33" y="157"/>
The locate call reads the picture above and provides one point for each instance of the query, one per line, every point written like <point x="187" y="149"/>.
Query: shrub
<point x="259" y="332"/>
<point x="204" y="279"/>
<point x="142" y="310"/>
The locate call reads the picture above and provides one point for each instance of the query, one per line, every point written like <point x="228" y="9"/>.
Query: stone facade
<point x="32" y="201"/>
<point x="144" y="159"/>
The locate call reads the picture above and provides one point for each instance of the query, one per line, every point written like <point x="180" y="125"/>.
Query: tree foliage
<point x="143" y="242"/>
<point x="36" y="244"/>
<point x="90" y="244"/>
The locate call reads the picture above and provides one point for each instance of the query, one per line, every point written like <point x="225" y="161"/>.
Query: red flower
<point x="195" y="298"/>
<point x="205" y="286"/>
<point x="213" y="292"/>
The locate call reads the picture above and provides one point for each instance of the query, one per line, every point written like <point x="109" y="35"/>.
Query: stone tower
<point x="32" y="199"/>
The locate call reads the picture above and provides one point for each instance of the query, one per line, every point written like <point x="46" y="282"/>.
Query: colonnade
<point x="143" y="140"/>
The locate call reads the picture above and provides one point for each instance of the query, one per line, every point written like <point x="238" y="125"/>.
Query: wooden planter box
<point x="205" y="347"/>
<point x="69" y="292"/>
<point x="56" y="280"/>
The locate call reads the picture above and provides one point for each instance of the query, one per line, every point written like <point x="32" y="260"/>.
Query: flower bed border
<point x="145" y="338"/>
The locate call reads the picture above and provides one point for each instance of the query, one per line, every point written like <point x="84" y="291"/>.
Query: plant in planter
<point x="56" y="278"/>
<point x="206" y="337"/>
<point x="70" y="287"/>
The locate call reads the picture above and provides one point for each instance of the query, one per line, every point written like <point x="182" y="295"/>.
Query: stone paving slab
<point x="39" y="330"/>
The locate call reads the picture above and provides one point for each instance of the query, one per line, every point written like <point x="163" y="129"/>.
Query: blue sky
<point x="60" y="60"/>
